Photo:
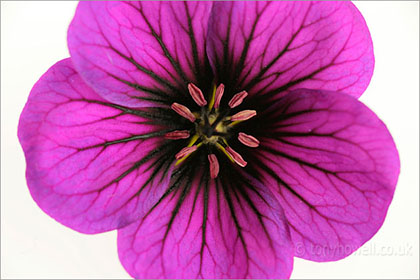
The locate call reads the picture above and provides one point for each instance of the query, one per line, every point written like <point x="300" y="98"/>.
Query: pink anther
<point x="236" y="157"/>
<point x="248" y="140"/>
<point x="178" y="134"/>
<point x="214" y="165"/>
<point x="237" y="99"/>
<point x="197" y="95"/>
<point x="185" y="152"/>
<point x="243" y="115"/>
<point x="183" y="111"/>
<point x="218" y="95"/>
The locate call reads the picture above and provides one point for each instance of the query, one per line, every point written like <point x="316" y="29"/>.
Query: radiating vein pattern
<point x="133" y="58"/>
<point x="220" y="139"/>
<point x="333" y="166"/>
<point x="223" y="228"/>
<point x="268" y="48"/>
<point x="89" y="161"/>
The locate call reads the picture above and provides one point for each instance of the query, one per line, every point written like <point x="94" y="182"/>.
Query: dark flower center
<point x="212" y="127"/>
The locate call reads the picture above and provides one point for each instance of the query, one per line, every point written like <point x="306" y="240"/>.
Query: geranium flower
<point x="220" y="139"/>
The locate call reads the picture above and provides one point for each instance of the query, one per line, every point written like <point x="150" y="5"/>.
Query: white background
<point x="33" y="37"/>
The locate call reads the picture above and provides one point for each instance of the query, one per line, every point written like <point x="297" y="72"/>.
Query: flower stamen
<point x="183" y="111"/>
<point x="197" y="95"/>
<point x="214" y="165"/>
<point x="177" y="134"/>
<point x="188" y="149"/>
<point x="237" y="99"/>
<point x="218" y="95"/>
<point x="243" y="115"/>
<point x="221" y="148"/>
<point x="236" y="157"/>
<point x="185" y="152"/>
<point x="213" y="128"/>
<point x="248" y="140"/>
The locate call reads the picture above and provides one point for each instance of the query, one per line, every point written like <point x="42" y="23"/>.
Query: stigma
<point x="212" y="127"/>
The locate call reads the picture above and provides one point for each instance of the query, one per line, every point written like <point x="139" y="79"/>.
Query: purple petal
<point x="209" y="230"/>
<point x="273" y="47"/>
<point x="333" y="166"/>
<point x="86" y="158"/>
<point x="135" y="52"/>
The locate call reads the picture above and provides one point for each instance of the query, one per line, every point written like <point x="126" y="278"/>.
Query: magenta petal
<point x="272" y="47"/>
<point x="135" y="52"/>
<point x="86" y="158"/>
<point x="333" y="166"/>
<point x="209" y="231"/>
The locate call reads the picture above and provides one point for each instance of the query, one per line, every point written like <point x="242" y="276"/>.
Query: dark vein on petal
<point x="270" y="172"/>
<point x="160" y="94"/>
<point x="174" y="63"/>
<point x="177" y="177"/>
<point x="185" y="191"/>
<point x="137" y="164"/>
<point x="192" y="38"/>
<point x="240" y="66"/>
<point x="204" y="225"/>
<point x="132" y="61"/>
<point x="263" y="70"/>
<point x="235" y="219"/>
<point x="124" y="140"/>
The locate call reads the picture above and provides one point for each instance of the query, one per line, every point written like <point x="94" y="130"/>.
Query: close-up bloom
<point x="221" y="139"/>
